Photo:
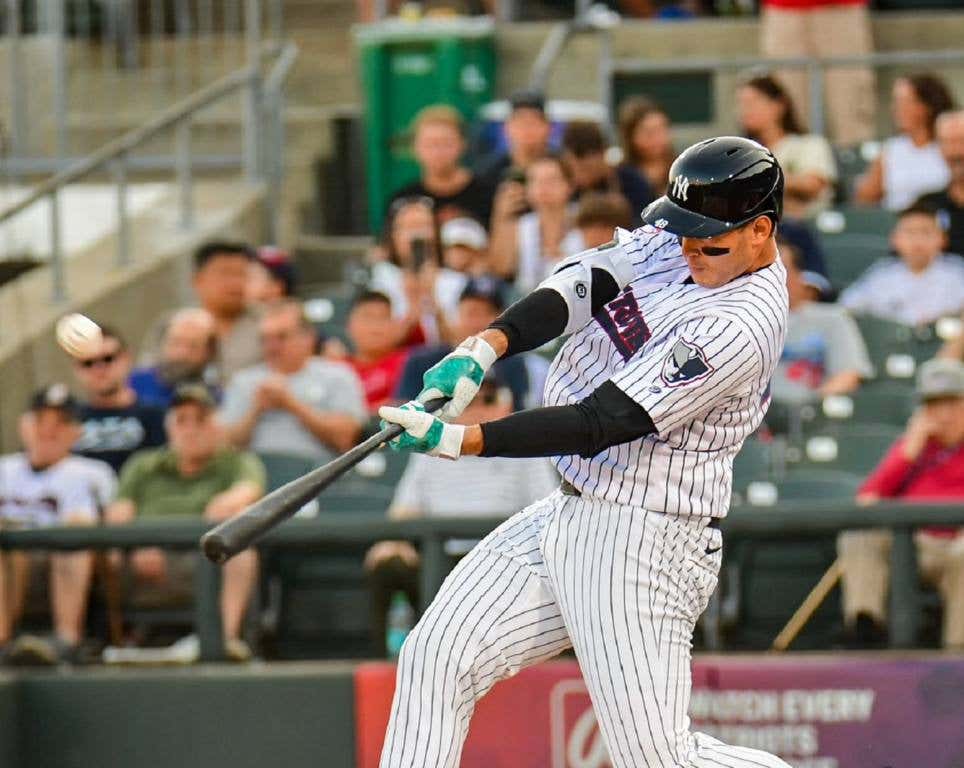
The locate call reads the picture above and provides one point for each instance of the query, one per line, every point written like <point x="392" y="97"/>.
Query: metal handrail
<point x="115" y="154"/>
<point x="135" y="137"/>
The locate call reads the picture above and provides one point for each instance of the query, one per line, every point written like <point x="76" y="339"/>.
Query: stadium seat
<point x="282" y="468"/>
<point x="752" y="463"/>
<point x="886" y="402"/>
<point x="856" y="448"/>
<point x="817" y="485"/>
<point x="890" y="346"/>
<point x="849" y="255"/>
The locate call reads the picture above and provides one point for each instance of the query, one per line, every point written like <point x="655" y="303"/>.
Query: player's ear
<point x="761" y="229"/>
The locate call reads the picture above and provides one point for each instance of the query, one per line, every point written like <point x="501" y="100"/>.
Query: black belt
<point x="570" y="490"/>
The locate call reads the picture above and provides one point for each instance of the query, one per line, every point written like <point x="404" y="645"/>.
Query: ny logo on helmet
<point x="680" y="187"/>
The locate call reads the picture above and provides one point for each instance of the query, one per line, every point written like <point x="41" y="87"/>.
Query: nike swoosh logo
<point x="711" y="551"/>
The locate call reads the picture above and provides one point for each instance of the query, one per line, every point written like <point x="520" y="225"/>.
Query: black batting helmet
<point x="718" y="185"/>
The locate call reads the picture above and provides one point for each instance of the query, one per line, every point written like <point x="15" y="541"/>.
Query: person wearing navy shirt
<point x="115" y="422"/>
<point x="188" y="349"/>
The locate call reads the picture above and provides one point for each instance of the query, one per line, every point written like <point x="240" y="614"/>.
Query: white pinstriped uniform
<point x="621" y="572"/>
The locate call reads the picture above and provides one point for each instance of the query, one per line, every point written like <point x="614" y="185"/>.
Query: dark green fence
<point x="788" y="521"/>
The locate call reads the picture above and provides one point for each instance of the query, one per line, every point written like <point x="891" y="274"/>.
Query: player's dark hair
<point x="608" y="209"/>
<point x="214" y="248"/>
<point x="369" y="297"/>
<point x="771" y="88"/>
<point x="583" y="137"/>
<point x="631" y="113"/>
<point x="933" y="93"/>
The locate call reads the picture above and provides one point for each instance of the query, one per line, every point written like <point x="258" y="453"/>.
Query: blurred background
<point x="283" y="212"/>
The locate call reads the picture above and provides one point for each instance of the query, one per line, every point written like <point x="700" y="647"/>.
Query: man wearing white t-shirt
<point x="46" y="486"/>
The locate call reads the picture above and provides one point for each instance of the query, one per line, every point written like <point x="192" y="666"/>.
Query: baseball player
<point x="674" y="332"/>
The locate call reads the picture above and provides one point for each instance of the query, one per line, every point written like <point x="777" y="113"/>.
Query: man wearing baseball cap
<point x="925" y="464"/>
<point x="194" y="475"/>
<point x="40" y="487"/>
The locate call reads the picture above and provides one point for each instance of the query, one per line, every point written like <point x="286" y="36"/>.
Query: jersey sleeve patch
<point x="685" y="363"/>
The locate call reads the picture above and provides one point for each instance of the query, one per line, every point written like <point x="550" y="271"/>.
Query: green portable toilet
<point x="408" y="65"/>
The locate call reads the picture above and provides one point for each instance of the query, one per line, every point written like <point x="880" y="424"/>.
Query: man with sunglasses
<point x="116" y="423"/>
<point x="674" y="333"/>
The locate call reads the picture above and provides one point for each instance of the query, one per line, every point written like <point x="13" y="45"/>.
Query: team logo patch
<point x="685" y="363"/>
<point x="581" y="290"/>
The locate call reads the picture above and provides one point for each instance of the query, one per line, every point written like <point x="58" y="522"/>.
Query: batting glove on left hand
<point x="458" y="376"/>
<point x="424" y="433"/>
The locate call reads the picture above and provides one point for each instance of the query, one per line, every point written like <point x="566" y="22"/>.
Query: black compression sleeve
<point x="542" y="315"/>
<point x="607" y="417"/>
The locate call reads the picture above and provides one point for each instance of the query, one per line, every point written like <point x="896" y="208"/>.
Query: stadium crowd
<point x="176" y="425"/>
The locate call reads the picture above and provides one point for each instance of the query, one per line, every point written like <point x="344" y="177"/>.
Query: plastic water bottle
<point x="401" y="619"/>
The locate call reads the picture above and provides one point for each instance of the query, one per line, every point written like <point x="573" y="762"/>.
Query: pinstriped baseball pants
<point x="622" y="586"/>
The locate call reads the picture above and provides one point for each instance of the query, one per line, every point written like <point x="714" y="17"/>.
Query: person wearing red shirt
<point x="375" y="356"/>
<point x="825" y="28"/>
<point x="925" y="464"/>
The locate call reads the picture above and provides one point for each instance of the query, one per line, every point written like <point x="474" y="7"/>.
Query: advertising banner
<point x="814" y="711"/>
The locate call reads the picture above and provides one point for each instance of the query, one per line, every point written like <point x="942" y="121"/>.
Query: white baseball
<point x="78" y="336"/>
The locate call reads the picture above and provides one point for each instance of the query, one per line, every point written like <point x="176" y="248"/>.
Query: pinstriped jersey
<point x="699" y="360"/>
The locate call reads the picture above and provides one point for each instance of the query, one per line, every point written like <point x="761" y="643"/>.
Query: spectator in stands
<point x="949" y="202"/>
<point x="221" y="272"/>
<point x="375" y="355"/>
<point x="768" y="116"/>
<point x="584" y="152"/>
<point x="925" y="464"/>
<point x="115" y="421"/>
<point x="406" y="274"/>
<point x="293" y="402"/>
<point x="430" y="488"/>
<point x="527" y="132"/>
<point x="438" y="144"/>
<point x="46" y="486"/>
<point x="194" y="475"/>
<point x="188" y="351"/>
<point x="923" y="286"/>
<point x="480" y="304"/>
<point x="824" y="29"/>
<point x="598" y="216"/>
<point x="465" y="245"/>
<point x="824" y="353"/>
<point x="644" y="130"/>
<point x="271" y="276"/>
<point x="525" y="246"/>
<point x="909" y="164"/>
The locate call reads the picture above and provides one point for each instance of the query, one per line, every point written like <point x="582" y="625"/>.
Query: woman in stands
<point x="406" y="264"/>
<point x="526" y="246"/>
<point x="644" y="129"/>
<point x="767" y="115"/>
<point x="910" y="163"/>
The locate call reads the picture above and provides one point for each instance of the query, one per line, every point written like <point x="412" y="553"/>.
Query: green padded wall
<point x="287" y="715"/>
<point x="9" y="724"/>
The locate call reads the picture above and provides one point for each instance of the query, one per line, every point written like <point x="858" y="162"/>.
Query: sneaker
<point x="32" y="651"/>
<point x="236" y="650"/>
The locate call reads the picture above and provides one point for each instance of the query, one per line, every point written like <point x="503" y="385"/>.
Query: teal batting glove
<point x="458" y="376"/>
<point x="424" y="433"/>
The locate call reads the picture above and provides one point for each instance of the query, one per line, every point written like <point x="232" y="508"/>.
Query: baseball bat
<point x="240" y="532"/>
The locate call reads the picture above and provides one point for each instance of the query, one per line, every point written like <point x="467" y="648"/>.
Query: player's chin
<point x="705" y="277"/>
